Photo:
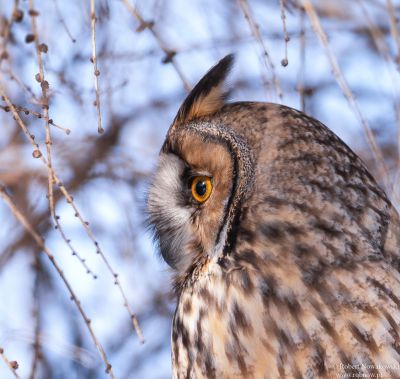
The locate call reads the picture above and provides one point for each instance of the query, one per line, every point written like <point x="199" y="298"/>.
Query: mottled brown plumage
<point x="291" y="268"/>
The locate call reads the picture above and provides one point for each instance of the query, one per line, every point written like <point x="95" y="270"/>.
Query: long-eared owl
<point x="286" y="251"/>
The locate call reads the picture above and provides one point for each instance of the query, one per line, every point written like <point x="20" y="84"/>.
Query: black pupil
<point x="201" y="188"/>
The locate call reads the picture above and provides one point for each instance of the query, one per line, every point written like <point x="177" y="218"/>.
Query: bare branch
<point x="393" y="28"/>
<point x="255" y="30"/>
<point x="284" y="61"/>
<point x="37" y="153"/>
<point x="96" y="71"/>
<point x="169" y="54"/>
<point x="12" y="365"/>
<point x="319" y="31"/>
<point x="27" y="111"/>
<point x="40" y="242"/>
<point x="42" y="48"/>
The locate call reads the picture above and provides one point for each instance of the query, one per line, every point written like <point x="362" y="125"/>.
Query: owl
<point x="285" y="250"/>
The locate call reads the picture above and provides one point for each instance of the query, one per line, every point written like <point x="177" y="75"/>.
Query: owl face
<point x="199" y="182"/>
<point x="189" y="197"/>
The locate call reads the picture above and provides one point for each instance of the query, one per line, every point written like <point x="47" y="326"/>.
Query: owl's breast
<point x="245" y="318"/>
<point x="218" y="329"/>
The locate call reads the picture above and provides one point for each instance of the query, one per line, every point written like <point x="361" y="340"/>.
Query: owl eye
<point x="201" y="188"/>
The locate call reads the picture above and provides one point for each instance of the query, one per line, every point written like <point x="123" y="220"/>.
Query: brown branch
<point x="379" y="40"/>
<point x="284" y="61"/>
<point x="255" y="30"/>
<point x="38" y="115"/>
<point x="393" y="28"/>
<point x="37" y="153"/>
<point x="319" y="31"/>
<point x="12" y="365"/>
<point x="36" y="346"/>
<point x="40" y="242"/>
<point x="16" y="16"/>
<point x="96" y="71"/>
<point x="62" y="20"/>
<point x="169" y="54"/>
<point x="24" y="87"/>
<point x="302" y="67"/>
<point x="45" y="103"/>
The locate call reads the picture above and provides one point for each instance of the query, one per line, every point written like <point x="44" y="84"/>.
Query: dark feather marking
<point x="363" y="337"/>
<point x="199" y="343"/>
<point x="275" y="202"/>
<point x="249" y="257"/>
<point x="308" y="158"/>
<point x="207" y="297"/>
<point x="268" y="289"/>
<point x="387" y="291"/>
<point x="229" y="351"/>
<point x="313" y="273"/>
<point x="236" y="348"/>
<point x="302" y="250"/>
<point x="175" y="336"/>
<point x="280" y="362"/>
<point x="247" y="283"/>
<point x="234" y="352"/>
<point x="247" y="235"/>
<point x="187" y="306"/>
<point x="277" y="230"/>
<point x="185" y="336"/>
<point x="328" y="327"/>
<point x="240" y="319"/>
<point x="319" y="358"/>
<point x="327" y="227"/>
<point x="209" y="365"/>
<point x="272" y="230"/>
<point x="392" y="323"/>
<point x="242" y="365"/>
<point x="189" y="368"/>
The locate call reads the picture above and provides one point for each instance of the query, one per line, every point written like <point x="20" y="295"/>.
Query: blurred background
<point x="337" y="60"/>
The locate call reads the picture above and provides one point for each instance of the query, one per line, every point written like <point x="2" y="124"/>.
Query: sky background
<point x="108" y="174"/>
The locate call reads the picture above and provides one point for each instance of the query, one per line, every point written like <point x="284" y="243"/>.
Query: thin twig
<point x="22" y="85"/>
<point x="285" y="60"/>
<point x="96" y="71"/>
<point x="169" y="53"/>
<point x="36" y="346"/>
<point x="393" y="28"/>
<point x="317" y="27"/>
<point x="45" y="104"/>
<point x="302" y="68"/>
<point x="38" y="154"/>
<point x="383" y="49"/>
<point x="12" y="365"/>
<point x="377" y="37"/>
<point x="27" y="111"/>
<point x="40" y="242"/>
<point x="255" y="30"/>
<point x="16" y="16"/>
<point x="62" y="20"/>
<point x="71" y="248"/>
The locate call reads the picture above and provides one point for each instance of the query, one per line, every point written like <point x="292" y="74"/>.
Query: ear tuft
<point x="208" y="96"/>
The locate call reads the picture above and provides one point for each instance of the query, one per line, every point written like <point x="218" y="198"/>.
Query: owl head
<point x="205" y="172"/>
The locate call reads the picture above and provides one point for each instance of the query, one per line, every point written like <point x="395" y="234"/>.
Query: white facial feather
<point x="168" y="213"/>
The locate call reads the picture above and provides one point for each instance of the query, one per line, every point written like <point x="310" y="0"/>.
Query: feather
<point x="208" y="96"/>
